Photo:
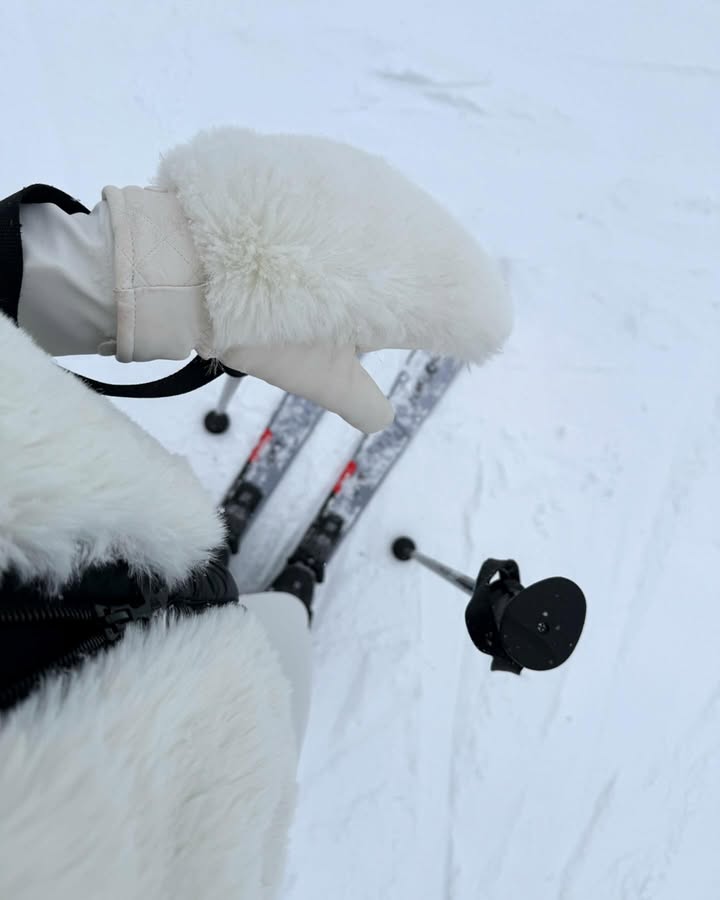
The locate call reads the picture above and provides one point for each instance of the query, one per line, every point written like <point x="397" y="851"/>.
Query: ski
<point x="418" y="388"/>
<point x="289" y="427"/>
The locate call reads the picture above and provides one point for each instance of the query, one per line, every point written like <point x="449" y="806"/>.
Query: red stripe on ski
<point x="349" y="470"/>
<point x="266" y="436"/>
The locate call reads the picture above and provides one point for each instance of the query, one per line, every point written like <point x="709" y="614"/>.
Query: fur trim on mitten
<point x="306" y="240"/>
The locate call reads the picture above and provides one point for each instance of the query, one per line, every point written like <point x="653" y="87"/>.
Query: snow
<point x="580" y="143"/>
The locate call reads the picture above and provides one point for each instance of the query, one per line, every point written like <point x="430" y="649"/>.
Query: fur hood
<point x="164" y="767"/>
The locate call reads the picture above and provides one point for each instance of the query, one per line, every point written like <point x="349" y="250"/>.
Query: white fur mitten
<point x="285" y="256"/>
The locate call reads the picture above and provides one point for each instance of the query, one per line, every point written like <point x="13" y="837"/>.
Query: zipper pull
<point x="154" y="595"/>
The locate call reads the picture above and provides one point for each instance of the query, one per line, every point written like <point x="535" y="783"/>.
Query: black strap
<point x="197" y="373"/>
<point x="10" y="260"/>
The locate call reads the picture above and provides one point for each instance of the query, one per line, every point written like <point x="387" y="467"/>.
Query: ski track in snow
<point x="579" y="142"/>
<point x="587" y="833"/>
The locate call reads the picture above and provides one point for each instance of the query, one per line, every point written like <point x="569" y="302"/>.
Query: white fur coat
<point x="165" y="767"/>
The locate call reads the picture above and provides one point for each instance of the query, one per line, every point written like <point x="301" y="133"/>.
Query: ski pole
<point x="217" y="420"/>
<point x="404" y="549"/>
<point x="535" y="627"/>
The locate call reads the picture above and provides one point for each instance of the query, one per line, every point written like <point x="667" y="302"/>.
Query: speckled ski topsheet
<point x="420" y="384"/>
<point x="418" y="388"/>
<point x="290" y="426"/>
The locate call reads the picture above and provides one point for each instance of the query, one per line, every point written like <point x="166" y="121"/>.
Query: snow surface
<point x="580" y="142"/>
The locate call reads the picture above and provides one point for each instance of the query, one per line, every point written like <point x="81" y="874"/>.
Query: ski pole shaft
<point x="217" y="420"/>
<point x="404" y="549"/>
<point x="228" y="392"/>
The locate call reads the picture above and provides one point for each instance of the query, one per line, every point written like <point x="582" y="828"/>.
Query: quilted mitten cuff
<point x="158" y="280"/>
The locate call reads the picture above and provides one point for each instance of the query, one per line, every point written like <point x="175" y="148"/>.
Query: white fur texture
<point x="80" y="483"/>
<point x="162" y="770"/>
<point x="306" y="240"/>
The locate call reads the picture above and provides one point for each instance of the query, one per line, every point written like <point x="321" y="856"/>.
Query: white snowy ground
<point x="580" y="142"/>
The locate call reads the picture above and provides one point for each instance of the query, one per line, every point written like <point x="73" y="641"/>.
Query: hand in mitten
<point x="287" y="256"/>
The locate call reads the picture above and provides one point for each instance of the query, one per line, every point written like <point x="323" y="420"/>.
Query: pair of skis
<point x="535" y="627"/>
<point x="418" y="388"/>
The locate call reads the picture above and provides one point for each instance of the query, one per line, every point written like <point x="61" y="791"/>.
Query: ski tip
<point x="403" y="548"/>
<point x="217" y="423"/>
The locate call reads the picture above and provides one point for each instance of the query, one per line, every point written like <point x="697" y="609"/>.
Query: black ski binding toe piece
<point x="306" y="567"/>
<point x="237" y="510"/>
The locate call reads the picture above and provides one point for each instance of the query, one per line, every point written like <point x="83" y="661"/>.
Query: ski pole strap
<point x="497" y="583"/>
<point x="197" y="373"/>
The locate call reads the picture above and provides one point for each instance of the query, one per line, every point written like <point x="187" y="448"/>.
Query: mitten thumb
<point x="328" y="375"/>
